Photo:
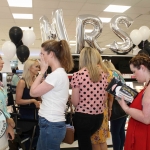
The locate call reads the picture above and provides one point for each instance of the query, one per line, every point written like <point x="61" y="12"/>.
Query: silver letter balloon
<point x="82" y="35"/>
<point x="127" y="44"/>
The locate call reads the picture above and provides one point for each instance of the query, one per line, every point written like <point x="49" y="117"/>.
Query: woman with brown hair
<point x="54" y="91"/>
<point x="138" y="132"/>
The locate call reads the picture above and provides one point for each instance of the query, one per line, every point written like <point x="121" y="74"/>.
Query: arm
<point x="38" y="88"/>
<point x="139" y="115"/>
<point x="10" y="130"/>
<point x="19" y="93"/>
<point x="75" y="96"/>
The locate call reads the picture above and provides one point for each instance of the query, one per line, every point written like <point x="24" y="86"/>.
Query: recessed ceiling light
<point x="105" y="20"/>
<point x="20" y="3"/>
<point x="23" y="16"/>
<point x="26" y="28"/>
<point x="117" y="8"/>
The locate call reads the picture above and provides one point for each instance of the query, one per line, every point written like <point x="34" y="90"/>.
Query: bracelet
<point x="40" y="73"/>
<point x="109" y="108"/>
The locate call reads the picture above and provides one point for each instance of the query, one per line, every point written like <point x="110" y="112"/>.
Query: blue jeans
<point x="51" y="134"/>
<point x="117" y="128"/>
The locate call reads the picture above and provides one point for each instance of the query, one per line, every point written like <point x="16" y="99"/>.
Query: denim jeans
<point x="117" y="128"/>
<point x="51" y="134"/>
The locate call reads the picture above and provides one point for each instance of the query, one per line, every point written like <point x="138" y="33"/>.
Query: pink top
<point x="91" y="94"/>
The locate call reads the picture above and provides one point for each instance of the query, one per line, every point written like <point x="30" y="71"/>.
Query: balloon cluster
<point x="19" y="44"/>
<point x="140" y="39"/>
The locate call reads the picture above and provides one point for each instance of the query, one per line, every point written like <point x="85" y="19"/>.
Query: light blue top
<point x="118" y="77"/>
<point x="3" y="102"/>
<point x="15" y="80"/>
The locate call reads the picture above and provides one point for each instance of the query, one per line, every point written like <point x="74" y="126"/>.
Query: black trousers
<point x="85" y="126"/>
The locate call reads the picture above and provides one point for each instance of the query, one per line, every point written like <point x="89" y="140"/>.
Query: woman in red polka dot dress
<point x="88" y="96"/>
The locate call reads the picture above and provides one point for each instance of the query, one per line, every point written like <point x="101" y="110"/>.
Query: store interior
<point x="138" y="11"/>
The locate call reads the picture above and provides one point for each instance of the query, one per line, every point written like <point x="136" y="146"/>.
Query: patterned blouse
<point x="91" y="94"/>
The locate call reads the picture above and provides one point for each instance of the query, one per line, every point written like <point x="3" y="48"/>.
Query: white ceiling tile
<point x="82" y="12"/>
<point x="70" y="5"/>
<point x="125" y="2"/>
<point x="43" y="11"/>
<point x="94" y="7"/>
<point x="21" y="10"/>
<point x="100" y="1"/>
<point x="3" y="3"/>
<point x="45" y="4"/>
<point x="137" y="10"/>
<point x="73" y="0"/>
<point x="70" y="12"/>
<point x="143" y="3"/>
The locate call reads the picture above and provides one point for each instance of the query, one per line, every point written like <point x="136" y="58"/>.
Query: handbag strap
<point x="71" y="111"/>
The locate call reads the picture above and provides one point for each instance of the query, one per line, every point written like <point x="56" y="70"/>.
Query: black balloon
<point x="142" y="44"/>
<point x="143" y="51"/>
<point x="147" y="48"/>
<point x="19" y="44"/>
<point x="15" y="34"/>
<point x="23" y="53"/>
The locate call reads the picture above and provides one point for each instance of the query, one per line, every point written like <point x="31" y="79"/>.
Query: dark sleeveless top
<point x="26" y="111"/>
<point x="138" y="133"/>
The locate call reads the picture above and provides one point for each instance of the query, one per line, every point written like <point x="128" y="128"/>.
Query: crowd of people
<point x="45" y="99"/>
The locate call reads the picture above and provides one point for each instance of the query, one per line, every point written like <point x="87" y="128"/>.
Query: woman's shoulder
<point x="21" y="82"/>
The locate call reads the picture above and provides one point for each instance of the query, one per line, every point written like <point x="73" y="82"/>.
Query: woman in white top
<point x="54" y="93"/>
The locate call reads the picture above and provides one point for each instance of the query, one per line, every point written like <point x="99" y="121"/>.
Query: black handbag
<point x="117" y="111"/>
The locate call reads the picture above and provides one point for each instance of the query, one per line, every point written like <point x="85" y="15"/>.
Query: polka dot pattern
<point x="91" y="94"/>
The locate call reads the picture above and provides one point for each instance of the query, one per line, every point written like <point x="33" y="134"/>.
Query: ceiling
<point x="72" y="9"/>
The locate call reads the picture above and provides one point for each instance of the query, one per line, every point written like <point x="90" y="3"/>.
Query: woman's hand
<point x="10" y="132"/>
<point x="11" y="122"/>
<point x="36" y="103"/>
<point x="43" y="64"/>
<point x="123" y="104"/>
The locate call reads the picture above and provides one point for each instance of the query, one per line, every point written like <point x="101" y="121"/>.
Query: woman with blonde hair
<point x="88" y="96"/>
<point x="117" y="123"/>
<point x="54" y="91"/>
<point x="23" y="98"/>
<point x="100" y="136"/>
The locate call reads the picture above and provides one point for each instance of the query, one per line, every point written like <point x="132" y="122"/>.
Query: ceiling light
<point x="20" y="3"/>
<point x="105" y="20"/>
<point x="26" y="28"/>
<point x="117" y="8"/>
<point x="23" y="16"/>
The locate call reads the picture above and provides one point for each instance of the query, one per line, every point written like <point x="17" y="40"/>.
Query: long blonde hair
<point x="100" y="62"/>
<point x="110" y="66"/>
<point x="26" y="71"/>
<point x="90" y="59"/>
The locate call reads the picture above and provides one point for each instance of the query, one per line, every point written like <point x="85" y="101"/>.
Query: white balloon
<point x="144" y="30"/>
<point x="28" y="37"/>
<point x="9" y="49"/>
<point x="136" y="36"/>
